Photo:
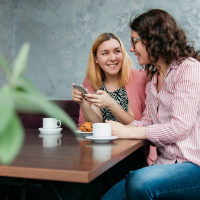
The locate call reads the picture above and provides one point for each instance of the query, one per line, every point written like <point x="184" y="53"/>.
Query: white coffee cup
<point x="49" y="141"/>
<point x="51" y="123"/>
<point x="101" y="130"/>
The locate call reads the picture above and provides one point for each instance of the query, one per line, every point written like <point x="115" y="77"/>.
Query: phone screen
<point x="81" y="88"/>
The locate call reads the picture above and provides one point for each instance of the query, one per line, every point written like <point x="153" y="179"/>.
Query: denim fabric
<point x="174" y="181"/>
<point x="117" y="192"/>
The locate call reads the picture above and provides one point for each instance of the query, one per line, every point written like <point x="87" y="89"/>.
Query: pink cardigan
<point x="135" y="89"/>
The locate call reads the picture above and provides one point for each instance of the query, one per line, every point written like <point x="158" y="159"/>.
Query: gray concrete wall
<point x="61" y="33"/>
<point x="6" y="33"/>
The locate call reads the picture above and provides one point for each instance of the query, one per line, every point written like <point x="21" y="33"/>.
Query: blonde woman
<point x="117" y="92"/>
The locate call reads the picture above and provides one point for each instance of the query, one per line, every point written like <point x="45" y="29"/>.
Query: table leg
<point x="7" y="193"/>
<point x="54" y="190"/>
<point x="24" y="184"/>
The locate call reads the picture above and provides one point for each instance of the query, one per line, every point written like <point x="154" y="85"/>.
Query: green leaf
<point x="30" y="100"/>
<point x="5" y="67"/>
<point x="20" y="62"/>
<point x="38" y="102"/>
<point x="11" y="140"/>
<point x="6" y="107"/>
<point x="25" y="84"/>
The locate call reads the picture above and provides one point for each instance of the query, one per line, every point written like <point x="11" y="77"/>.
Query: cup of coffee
<point x="51" y="123"/>
<point x="101" y="130"/>
<point x="49" y="141"/>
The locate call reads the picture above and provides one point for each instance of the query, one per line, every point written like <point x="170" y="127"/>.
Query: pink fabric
<point x="135" y="89"/>
<point x="172" y="116"/>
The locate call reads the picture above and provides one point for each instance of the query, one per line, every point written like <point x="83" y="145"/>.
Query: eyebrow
<point x="114" y="49"/>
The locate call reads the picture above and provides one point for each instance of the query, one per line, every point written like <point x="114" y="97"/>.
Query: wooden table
<point x="74" y="160"/>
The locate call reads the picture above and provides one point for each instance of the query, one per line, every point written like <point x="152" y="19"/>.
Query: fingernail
<point x="82" y="93"/>
<point x="83" y="96"/>
<point x="81" y="99"/>
<point x="86" y="99"/>
<point x="95" y="91"/>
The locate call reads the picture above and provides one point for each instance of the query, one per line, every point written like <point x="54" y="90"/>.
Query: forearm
<point x="127" y="131"/>
<point x="136" y="132"/>
<point x="120" y="114"/>
<point x="89" y="113"/>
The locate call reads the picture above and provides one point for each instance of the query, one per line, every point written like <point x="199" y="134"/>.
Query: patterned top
<point x="172" y="116"/>
<point x="119" y="96"/>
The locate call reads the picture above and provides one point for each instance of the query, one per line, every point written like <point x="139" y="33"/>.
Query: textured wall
<point x="61" y="33"/>
<point x="6" y="32"/>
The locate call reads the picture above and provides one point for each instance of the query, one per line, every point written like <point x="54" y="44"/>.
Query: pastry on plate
<point x="86" y="127"/>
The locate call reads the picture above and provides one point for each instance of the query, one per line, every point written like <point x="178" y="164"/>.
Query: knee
<point x="136" y="185"/>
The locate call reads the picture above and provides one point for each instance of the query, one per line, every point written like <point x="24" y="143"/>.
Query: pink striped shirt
<point x="172" y="116"/>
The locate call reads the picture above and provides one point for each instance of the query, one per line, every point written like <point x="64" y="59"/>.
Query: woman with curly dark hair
<point x="171" y="120"/>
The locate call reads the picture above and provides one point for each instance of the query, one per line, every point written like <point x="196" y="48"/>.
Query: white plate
<point x="102" y="139"/>
<point x="50" y="130"/>
<point x="84" y="133"/>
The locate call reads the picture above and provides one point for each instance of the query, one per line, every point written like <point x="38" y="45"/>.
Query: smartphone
<point x="81" y="89"/>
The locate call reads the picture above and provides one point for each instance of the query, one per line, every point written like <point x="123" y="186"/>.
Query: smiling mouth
<point x="112" y="65"/>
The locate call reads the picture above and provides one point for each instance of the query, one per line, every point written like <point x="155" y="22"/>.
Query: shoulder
<point x="137" y="81"/>
<point x="87" y="85"/>
<point x="137" y="75"/>
<point x="187" y="62"/>
<point x="86" y="82"/>
<point x="135" y="89"/>
<point x="190" y="61"/>
<point x="139" y="72"/>
<point x="190" y="67"/>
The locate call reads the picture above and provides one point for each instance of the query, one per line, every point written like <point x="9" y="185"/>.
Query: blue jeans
<point x="175" y="181"/>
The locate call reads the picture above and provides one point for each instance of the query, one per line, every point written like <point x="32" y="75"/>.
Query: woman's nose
<point x="132" y="49"/>
<point x="112" y="56"/>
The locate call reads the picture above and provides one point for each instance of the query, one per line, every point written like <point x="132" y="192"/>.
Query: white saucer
<point x="84" y="133"/>
<point x="50" y="130"/>
<point x="102" y="139"/>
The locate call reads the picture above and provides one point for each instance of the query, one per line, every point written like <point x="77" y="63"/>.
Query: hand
<point x="100" y="99"/>
<point x="119" y="130"/>
<point x="77" y="96"/>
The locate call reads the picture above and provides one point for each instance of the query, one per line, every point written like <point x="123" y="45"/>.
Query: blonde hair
<point x="95" y="74"/>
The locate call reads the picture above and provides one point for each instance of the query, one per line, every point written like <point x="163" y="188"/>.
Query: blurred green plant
<point x="19" y="95"/>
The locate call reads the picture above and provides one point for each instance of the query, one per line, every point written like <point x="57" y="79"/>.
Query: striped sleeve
<point x="185" y="105"/>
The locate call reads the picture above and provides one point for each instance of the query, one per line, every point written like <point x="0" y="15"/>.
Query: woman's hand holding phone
<point x="100" y="99"/>
<point x="77" y="95"/>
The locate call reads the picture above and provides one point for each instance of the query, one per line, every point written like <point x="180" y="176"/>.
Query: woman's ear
<point x="95" y="58"/>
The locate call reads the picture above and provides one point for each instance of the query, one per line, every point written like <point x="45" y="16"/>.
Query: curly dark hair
<point x="163" y="37"/>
